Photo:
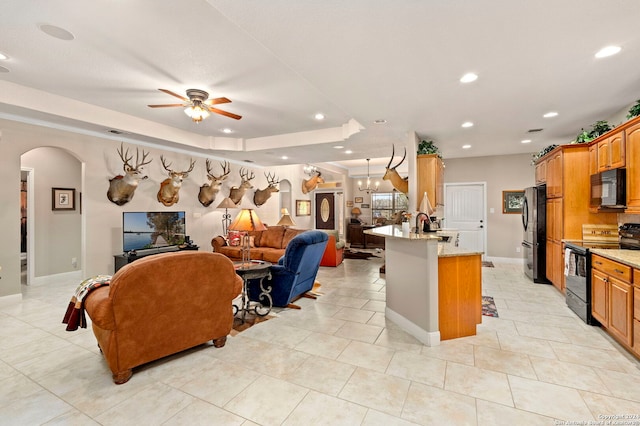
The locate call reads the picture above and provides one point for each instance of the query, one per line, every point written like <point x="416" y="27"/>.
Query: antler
<point x="144" y="157"/>
<point x="272" y="180"/>
<point x="193" y="163"/>
<point x="245" y="175"/>
<point x="165" y="165"/>
<point x="393" y="152"/>
<point x="208" y="165"/>
<point x="226" y="169"/>
<point x="124" y="157"/>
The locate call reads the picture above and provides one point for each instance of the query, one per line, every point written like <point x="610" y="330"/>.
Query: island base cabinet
<point x="459" y="296"/>
<point x="621" y="310"/>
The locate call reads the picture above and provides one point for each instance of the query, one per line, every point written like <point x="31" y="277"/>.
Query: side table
<point x="255" y="269"/>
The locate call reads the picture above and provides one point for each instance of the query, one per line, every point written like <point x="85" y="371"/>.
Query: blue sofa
<point x="296" y="270"/>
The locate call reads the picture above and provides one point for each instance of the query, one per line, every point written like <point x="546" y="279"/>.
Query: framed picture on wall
<point x="349" y="203"/>
<point x="63" y="199"/>
<point x="359" y="199"/>
<point x="512" y="202"/>
<point x="365" y="206"/>
<point x="303" y="208"/>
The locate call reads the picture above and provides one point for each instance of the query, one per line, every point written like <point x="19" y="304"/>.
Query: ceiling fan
<point x="197" y="105"/>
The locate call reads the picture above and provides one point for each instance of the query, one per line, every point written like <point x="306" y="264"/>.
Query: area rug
<point x="487" y="264"/>
<point x="489" y="307"/>
<point x="352" y="254"/>
<point x="250" y="321"/>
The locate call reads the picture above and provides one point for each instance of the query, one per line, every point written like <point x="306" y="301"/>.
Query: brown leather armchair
<point x="163" y="304"/>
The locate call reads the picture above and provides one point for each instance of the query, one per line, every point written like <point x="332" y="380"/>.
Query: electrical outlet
<point x="74" y="262"/>
<point x="518" y="249"/>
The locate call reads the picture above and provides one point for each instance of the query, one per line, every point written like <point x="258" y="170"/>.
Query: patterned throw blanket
<point x="74" y="317"/>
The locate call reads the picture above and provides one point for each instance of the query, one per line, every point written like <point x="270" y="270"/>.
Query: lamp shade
<point x="227" y="203"/>
<point x="356" y="211"/>
<point x="247" y="220"/>
<point x="286" y="220"/>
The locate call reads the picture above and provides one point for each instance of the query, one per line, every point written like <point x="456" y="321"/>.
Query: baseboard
<point x="10" y="300"/>
<point x="428" y="338"/>
<point x="510" y="260"/>
<point x="73" y="275"/>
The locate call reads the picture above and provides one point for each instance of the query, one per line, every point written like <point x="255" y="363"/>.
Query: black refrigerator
<point x="534" y="214"/>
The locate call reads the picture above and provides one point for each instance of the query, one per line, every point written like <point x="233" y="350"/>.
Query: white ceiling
<point x="281" y="61"/>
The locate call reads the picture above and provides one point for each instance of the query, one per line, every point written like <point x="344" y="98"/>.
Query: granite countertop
<point x="628" y="257"/>
<point x="444" y="249"/>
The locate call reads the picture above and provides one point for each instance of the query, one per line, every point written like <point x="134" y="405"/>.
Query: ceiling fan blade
<point x="166" y="105"/>
<point x="225" y="113"/>
<point x="169" y="92"/>
<point x="217" y="101"/>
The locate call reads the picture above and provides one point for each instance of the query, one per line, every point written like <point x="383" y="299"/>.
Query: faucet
<point x="418" y="227"/>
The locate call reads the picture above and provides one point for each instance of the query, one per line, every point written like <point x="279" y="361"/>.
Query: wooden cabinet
<point x="430" y="179"/>
<point x="555" y="174"/>
<point x="355" y="237"/>
<point x="632" y="143"/>
<point x="593" y="159"/>
<point x="541" y="173"/>
<point x="611" y="152"/>
<point x="555" y="254"/>
<point x="612" y="298"/>
<point x="636" y="312"/>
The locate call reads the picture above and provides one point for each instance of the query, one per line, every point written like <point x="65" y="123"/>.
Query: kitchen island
<point x="434" y="289"/>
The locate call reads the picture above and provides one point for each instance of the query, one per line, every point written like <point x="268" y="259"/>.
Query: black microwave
<point x="609" y="190"/>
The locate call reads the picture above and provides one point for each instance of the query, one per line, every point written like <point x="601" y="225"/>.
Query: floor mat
<point x="488" y="264"/>
<point x="489" y="307"/>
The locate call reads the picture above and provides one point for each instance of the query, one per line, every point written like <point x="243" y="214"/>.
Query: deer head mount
<point x="398" y="182"/>
<point x="262" y="195"/>
<point x="310" y="184"/>
<point x="169" y="192"/>
<point x="209" y="190"/>
<point x="236" y="193"/>
<point x="122" y="187"/>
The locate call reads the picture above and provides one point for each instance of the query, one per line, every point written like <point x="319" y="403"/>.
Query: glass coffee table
<point x="255" y="269"/>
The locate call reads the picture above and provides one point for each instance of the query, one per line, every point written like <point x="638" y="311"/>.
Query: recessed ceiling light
<point x="467" y="124"/>
<point x="348" y="151"/>
<point x="3" y="57"/>
<point x="284" y="157"/>
<point x="3" y="69"/>
<point x="227" y="131"/>
<point x="379" y="121"/>
<point x="608" y="51"/>
<point x="338" y="147"/>
<point x="56" y="32"/>
<point x="525" y="141"/>
<point x="550" y="114"/>
<point x="319" y="116"/>
<point x="468" y="77"/>
<point x="466" y="146"/>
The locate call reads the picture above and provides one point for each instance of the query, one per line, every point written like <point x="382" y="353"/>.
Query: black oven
<point x="577" y="272"/>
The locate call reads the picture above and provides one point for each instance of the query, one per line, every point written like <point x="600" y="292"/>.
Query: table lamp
<point x="226" y="204"/>
<point x="355" y="212"/>
<point x="246" y="221"/>
<point x="285" y="220"/>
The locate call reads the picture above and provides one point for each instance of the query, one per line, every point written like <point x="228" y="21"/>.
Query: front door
<point x="325" y="211"/>
<point x="465" y="211"/>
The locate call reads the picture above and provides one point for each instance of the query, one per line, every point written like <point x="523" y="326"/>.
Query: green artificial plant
<point x="635" y="110"/>
<point x="428" y="147"/>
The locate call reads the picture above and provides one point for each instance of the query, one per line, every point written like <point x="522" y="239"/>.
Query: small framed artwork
<point x="512" y="202"/>
<point x="63" y="199"/>
<point x="364" y="206"/>
<point x="349" y="203"/>
<point x="303" y="208"/>
<point x="359" y="199"/>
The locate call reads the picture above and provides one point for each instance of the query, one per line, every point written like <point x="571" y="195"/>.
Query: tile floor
<point x="335" y="362"/>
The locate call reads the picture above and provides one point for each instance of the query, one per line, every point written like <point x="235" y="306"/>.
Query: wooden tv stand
<point x="119" y="260"/>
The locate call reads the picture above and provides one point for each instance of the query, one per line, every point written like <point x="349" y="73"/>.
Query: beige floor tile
<point x="361" y="332"/>
<point x="541" y="332"/>
<point x="395" y="338"/>
<point x="375" y="390"/>
<point x="478" y="383"/>
<point x="367" y="356"/>
<point x="38" y="408"/>
<point x="483" y="337"/>
<point x="501" y="325"/>
<point x="450" y="350"/>
<point x="418" y="368"/>
<point x="72" y="418"/>
<point x="321" y="374"/>
<point x="375" y="305"/>
<point x="526" y="345"/>
<point x="578" y="354"/>
<point x="427" y="405"/>
<point x="355" y="315"/>
<point x="268" y="401"/>
<point x="378" y="319"/>
<point x="622" y="385"/>
<point x="567" y="374"/>
<point x="319" y="409"/>
<point x="490" y="413"/>
<point x="504" y="362"/>
<point x="200" y="413"/>
<point x="376" y="418"/>
<point x="275" y="331"/>
<point x="549" y="400"/>
<point x="323" y="345"/>
<point x="602" y="405"/>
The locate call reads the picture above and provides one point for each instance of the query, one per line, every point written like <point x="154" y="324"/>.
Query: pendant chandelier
<point x="368" y="189"/>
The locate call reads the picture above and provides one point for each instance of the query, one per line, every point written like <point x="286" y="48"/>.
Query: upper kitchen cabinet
<point x="554" y="173"/>
<point x="430" y="179"/>
<point x="632" y="136"/>
<point x="541" y="173"/>
<point x="611" y="151"/>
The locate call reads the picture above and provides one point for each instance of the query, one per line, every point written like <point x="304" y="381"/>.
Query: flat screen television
<point x="149" y="230"/>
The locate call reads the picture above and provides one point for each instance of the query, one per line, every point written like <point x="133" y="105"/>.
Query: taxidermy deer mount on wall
<point x="209" y="190"/>
<point x="122" y="188"/>
<point x="262" y="195"/>
<point x="398" y="182"/>
<point x="169" y="192"/>
<point x="236" y="193"/>
<point x="310" y="184"/>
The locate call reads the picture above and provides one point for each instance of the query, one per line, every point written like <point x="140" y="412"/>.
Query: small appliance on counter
<point x="629" y="234"/>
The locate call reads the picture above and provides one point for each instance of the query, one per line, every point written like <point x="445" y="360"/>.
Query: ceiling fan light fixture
<point x="196" y="113"/>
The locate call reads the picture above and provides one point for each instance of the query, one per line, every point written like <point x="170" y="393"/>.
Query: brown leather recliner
<point x="163" y="304"/>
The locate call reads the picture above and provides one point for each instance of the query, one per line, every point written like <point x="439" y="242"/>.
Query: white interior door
<point x="464" y="210"/>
